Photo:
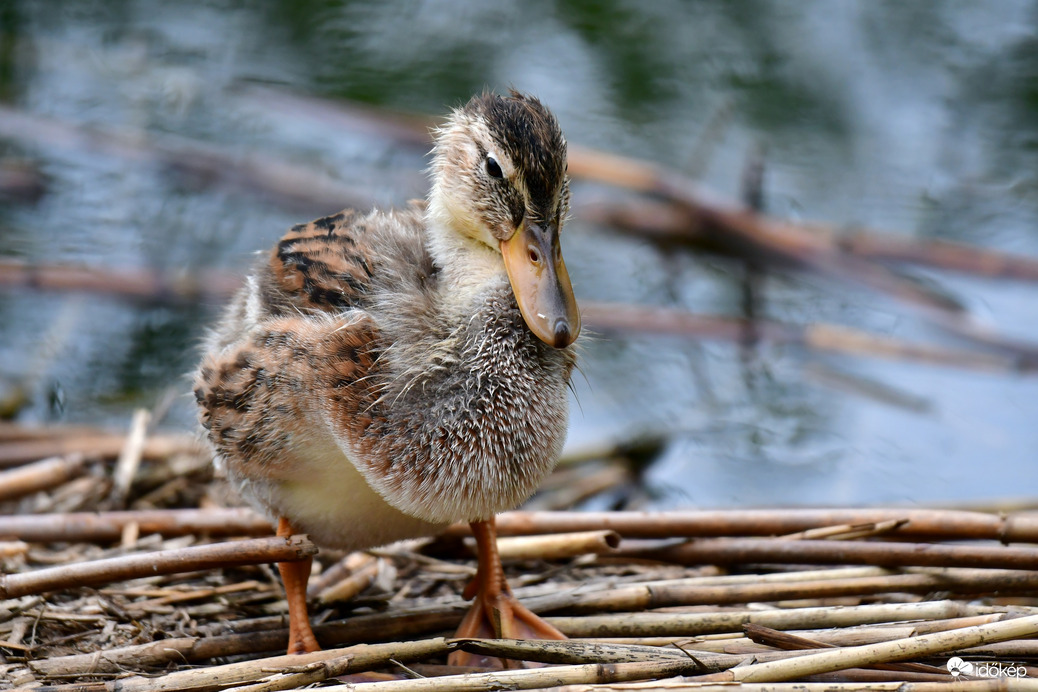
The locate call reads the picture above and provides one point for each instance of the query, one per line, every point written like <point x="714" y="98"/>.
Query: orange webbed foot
<point x="495" y="613"/>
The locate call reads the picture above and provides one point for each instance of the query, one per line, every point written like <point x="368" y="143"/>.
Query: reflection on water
<point x="919" y="119"/>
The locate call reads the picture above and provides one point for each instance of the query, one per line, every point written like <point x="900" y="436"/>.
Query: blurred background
<point x="180" y="139"/>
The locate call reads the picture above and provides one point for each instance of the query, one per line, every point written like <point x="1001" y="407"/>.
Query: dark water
<point x="920" y="119"/>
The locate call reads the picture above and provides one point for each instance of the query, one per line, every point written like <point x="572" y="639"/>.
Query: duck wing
<point x="263" y="401"/>
<point x="297" y="348"/>
<point x="327" y="264"/>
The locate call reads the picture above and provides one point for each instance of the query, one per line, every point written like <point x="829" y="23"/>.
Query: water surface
<point x="917" y="119"/>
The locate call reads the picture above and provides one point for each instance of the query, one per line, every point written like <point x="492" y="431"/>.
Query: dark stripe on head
<point x="529" y="134"/>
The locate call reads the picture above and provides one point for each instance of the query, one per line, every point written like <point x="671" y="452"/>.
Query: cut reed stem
<point x="247" y="552"/>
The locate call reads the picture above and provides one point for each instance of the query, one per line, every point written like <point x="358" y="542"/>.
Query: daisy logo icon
<point x="957" y="667"/>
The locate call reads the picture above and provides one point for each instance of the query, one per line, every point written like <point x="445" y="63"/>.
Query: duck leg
<point x="495" y="612"/>
<point x="294" y="575"/>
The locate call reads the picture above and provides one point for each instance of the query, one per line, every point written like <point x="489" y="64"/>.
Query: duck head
<point x="499" y="180"/>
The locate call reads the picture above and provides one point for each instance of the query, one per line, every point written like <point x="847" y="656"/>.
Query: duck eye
<point x="494" y="168"/>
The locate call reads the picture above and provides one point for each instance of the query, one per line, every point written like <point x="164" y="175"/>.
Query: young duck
<point x="384" y="375"/>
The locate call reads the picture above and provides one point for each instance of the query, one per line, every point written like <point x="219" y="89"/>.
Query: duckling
<point x="383" y="375"/>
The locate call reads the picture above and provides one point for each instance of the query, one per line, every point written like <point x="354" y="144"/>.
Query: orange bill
<point x="541" y="283"/>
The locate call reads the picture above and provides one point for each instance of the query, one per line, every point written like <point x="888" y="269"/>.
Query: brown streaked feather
<point x="298" y="340"/>
<point x="326" y="264"/>
<point x="260" y="398"/>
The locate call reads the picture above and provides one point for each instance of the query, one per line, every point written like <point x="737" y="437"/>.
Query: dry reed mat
<point x="127" y="567"/>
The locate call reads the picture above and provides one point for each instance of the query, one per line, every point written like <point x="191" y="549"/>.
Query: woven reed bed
<point x="126" y="566"/>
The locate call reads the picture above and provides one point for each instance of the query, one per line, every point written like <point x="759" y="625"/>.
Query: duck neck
<point x="468" y="266"/>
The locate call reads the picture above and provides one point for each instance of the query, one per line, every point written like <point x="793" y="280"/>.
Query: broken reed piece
<point x="834" y="338"/>
<point x="247" y="552"/>
<point x="129" y="460"/>
<point x="301" y="676"/>
<point x="160" y="653"/>
<point x="937" y="524"/>
<point x="896" y="650"/>
<point x="842" y="380"/>
<point x="404" y="129"/>
<point x="40" y="475"/>
<point x="852" y="674"/>
<point x="337" y="572"/>
<point x="732" y="551"/>
<point x="793" y="642"/>
<point x="139" y="607"/>
<point x="357" y="631"/>
<point x="109" y="526"/>
<point x="677" y="593"/>
<point x="362" y="575"/>
<point x="664" y="624"/>
<point x="95" y="444"/>
<point x="363" y="657"/>
<point x="556" y="546"/>
<point x="536" y="678"/>
<point x="570" y="652"/>
<point x="13" y="548"/>
<point x="849" y="636"/>
<point x="285" y="672"/>
<point x="576" y="652"/>
<point x="846" y="532"/>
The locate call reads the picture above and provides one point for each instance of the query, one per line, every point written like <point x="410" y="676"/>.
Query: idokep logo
<point x="956" y="666"/>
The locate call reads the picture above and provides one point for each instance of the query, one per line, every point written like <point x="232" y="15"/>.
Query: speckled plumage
<point x="374" y="379"/>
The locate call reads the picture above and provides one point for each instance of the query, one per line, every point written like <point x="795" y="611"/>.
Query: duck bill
<point x="541" y="284"/>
